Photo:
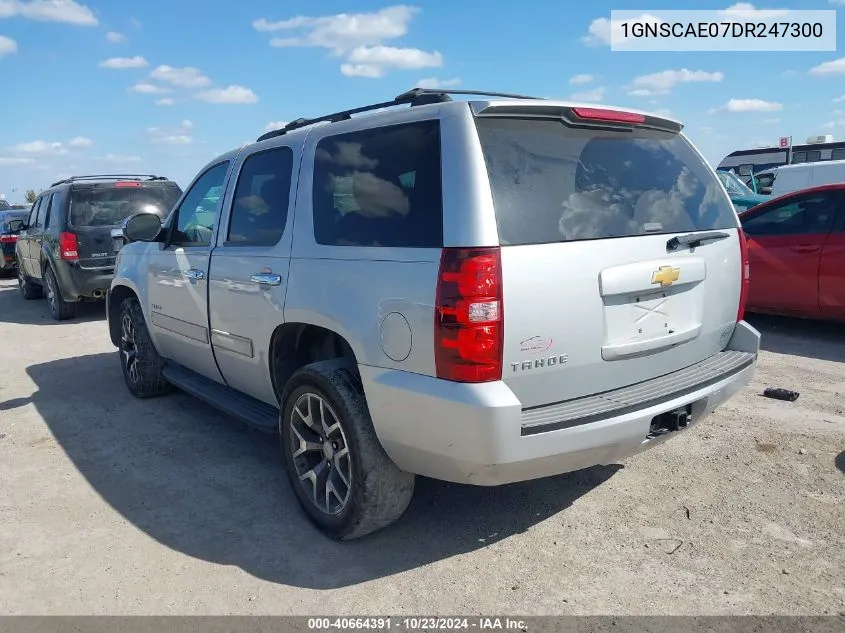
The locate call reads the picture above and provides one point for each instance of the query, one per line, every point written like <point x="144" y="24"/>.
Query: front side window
<point x="197" y="215"/>
<point x="260" y="203"/>
<point x="380" y="187"/>
<point x="804" y="215"/>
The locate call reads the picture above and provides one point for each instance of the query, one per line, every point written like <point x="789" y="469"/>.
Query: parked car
<point x="741" y="196"/>
<point x="481" y="292"/>
<point x="66" y="250"/>
<point x="789" y="178"/>
<point x="796" y="249"/>
<point x="10" y="222"/>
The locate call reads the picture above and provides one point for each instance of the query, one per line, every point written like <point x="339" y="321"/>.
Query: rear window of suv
<point x="109" y="205"/>
<point x="552" y="183"/>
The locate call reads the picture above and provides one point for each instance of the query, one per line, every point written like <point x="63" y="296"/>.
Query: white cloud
<point x="748" y="10"/>
<point x="344" y="31"/>
<point x="187" y="77"/>
<point x="7" y="46"/>
<point x="135" y="23"/>
<point x="830" y="125"/>
<point x="164" y="102"/>
<point x="179" y="135"/>
<point x="748" y="105"/>
<point x="122" y="63"/>
<point x="601" y="30"/>
<point x="596" y="94"/>
<point x="231" y="94"/>
<point x="835" y="67"/>
<point x="434" y="82"/>
<point x="13" y="161"/>
<point x="842" y="98"/>
<point x="118" y="159"/>
<point x="772" y="120"/>
<point x="150" y="89"/>
<point x="842" y="2"/>
<point x="664" y="81"/>
<point x="359" y="37"/>
<point x="81" y="141"/>
<point x="115" y="38"/>
<point x="274" y="125"/>
<point x="578" y="80"/>
<point x="376" y="61"/>
<point x="40" y="147"/>
<point x="67" y="11"/>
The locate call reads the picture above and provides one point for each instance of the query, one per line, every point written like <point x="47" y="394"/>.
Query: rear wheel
<point x="141" y="364"/>
<point x="59" y="308"/>
<point x="29" y="290"/>
<point x="339" y="471"/>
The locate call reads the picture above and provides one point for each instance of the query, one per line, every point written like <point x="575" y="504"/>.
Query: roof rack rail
<point x="413" y="97"/>
<point x="109" y="177"/>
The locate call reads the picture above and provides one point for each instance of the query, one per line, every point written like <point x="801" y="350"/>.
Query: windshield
<point x="553" y="183"/>
<point x="109" y="206"/>
<point x="733" y="183"/>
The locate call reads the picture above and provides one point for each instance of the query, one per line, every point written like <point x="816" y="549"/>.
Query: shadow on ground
<point x="206" y="486"/>
<point x="15" y="309"/>
<point x="840" y="462"/>
<point x="823" y="340"/>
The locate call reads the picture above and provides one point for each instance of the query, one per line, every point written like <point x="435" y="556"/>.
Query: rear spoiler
<point x="578" y="116"/>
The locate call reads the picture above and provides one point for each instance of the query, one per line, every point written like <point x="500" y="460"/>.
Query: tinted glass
<point x="814" y="156"/>
<point x="837" y="154"/>
<point x="109" y="205"/>
<point x="33" y="213"/>
<point x="4" y="205"/>
<point x="55" y="208"/>
<point x="43" y="209"/>
<point x="380" y="187"/>
<point x="197" y="215"/>
<point x="809" y="214"/>
<point x="260" y="205"/>
<point x="552" y="183"/>
<point x="799" y="157"/>
<point x="5" y="218"/>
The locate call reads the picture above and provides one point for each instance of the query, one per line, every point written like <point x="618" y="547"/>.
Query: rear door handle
<point x="271" y="279"/>
<point x="194" y="274"/>
<point x="805" y="248"/>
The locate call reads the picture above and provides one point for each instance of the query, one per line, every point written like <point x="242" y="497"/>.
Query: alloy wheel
<point x="51" y="294"/>
<point x="128" y="348"/>
<point x="320" y="454"/>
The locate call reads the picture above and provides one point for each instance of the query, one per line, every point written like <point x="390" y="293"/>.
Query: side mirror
<point x="142" y="227"/>
<point x="16" y="226"/>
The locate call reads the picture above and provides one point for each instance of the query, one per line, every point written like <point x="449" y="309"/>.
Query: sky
<point x="162" y="87"/>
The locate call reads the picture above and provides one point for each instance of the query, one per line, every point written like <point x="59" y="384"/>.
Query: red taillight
<point x="8" y="239"/>
<point x="745" y="275"/>
<point x="68" y="246"/>
<point x="127" y="183"/>
<point x="601" y="114"/>
<point x="468" y="317"/>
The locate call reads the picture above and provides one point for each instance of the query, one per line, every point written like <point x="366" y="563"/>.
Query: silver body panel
<point x="589" y="305"/>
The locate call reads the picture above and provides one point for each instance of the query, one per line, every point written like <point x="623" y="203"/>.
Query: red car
<point x="796" y="249"/>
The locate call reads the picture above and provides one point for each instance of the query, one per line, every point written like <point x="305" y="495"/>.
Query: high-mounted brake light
<point x="125" y="183"/>
<point x="468" y="315"/>
<point x="745" y="275"/>
<point x="602" y="114"/>
<point x="68" y="246"/>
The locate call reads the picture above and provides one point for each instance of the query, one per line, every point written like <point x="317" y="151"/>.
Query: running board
<point x="253" y="412"/>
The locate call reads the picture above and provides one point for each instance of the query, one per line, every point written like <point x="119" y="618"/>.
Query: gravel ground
<point x="111" y="505"/>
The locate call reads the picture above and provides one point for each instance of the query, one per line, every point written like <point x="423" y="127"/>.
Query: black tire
<point x="142" y="366"/>
<point x="59" y="308"/>
<point x="378" y="492"/>
<point x="29" y="289"/>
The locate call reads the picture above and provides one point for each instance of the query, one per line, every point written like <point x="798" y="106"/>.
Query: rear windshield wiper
<point x="695" y="239"/>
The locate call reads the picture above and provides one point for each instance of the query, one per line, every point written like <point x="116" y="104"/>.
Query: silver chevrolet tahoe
<point x="480" y="291"/>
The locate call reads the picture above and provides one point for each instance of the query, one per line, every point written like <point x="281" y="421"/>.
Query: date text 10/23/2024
<point x="421" y="623"/>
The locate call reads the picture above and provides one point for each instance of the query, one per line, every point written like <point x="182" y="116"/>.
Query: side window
<point x="43" y="209"/>
<point x="197" y="215"/>
<point x="838" y="154"/>
<point x="814" y="156"/>
<point x="799" y="157"/>
<point x="260" y="203"/>
<point x="804" y="215"/>
<point x="380" y="187"/>
<point x="52" y="217"/>
<point x="33" y="214"/>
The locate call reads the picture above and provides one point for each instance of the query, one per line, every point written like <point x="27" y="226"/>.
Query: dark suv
<point x="67" y="247"/>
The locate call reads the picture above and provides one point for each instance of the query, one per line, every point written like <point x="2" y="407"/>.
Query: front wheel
<point x="29" y="290"/>
<point x="141" y="364"/>
<point x="339" y="471"/>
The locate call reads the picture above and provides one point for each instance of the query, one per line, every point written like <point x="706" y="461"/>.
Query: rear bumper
<point x="83" y="283"/>
<point x="476" y="434"/>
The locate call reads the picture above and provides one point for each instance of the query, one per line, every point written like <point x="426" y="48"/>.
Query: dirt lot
<point x="110" y="505"/>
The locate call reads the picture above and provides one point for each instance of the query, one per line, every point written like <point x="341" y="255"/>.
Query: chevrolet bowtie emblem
<point x="665" y="275"/>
